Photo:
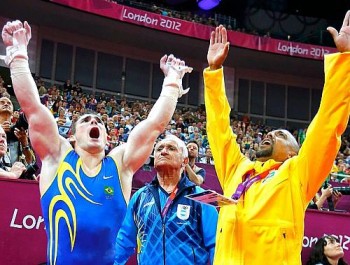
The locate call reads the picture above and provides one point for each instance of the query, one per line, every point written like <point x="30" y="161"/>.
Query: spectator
<point x="208" y="158"/>
<point x="80" y="186"/>
<point x="272" y="192"/>
<point x="180" y="124"/>
<point x="63" y="122"/>
<point x="14" y="171"/>
<point x="55" y="107"/>
<point x="195" y="173"/>
<point x="75" y="118"/>
<point x="17" y="138"/>
<point x="327" y="251"/>
<point x="77" y="88"/>
<point x="319" y="200"/>
<point x="42" y="89"/>
<point x="67" y="86"/>
<point x="168" y="227"/>
<point x="179" y="134"/>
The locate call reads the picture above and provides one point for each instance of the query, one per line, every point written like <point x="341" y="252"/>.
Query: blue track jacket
<point x="185" y="236"/>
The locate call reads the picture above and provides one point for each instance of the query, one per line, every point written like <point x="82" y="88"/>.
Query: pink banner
<point x="195" y="30"/>
<point x="22" y="230"/>
<point x="320" y="223"/>
<point x="22" y="234"/>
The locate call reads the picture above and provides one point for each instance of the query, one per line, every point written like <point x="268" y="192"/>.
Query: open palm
<point x="342" y="40"/>
<point x="218" y="48"/>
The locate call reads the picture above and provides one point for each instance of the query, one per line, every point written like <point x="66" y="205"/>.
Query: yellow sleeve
<point x="323" y="137"/>
<point x="222" y="140"/>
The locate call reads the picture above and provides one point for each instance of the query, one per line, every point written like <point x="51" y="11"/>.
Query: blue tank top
<point x="83" y="214"/>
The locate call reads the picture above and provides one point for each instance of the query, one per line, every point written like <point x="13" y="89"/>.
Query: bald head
<point x="278" y="145"/>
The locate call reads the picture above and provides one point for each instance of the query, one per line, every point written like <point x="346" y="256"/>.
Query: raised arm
<point x="323" y="137"/>
<point x="196" y="177"/>
<point x="222" y="140"/>
<point x="141" y="139"/>
<point x="43" y="130"/>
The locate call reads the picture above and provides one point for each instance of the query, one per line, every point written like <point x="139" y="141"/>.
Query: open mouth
<point x="266" y="141"/>
<point x="94" y="133"/>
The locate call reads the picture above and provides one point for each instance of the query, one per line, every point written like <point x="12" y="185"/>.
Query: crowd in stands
<point x="68" y="102"/>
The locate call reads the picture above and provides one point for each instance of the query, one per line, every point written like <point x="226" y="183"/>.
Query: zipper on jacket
<point x="285" y="249"/>
<point x="163" y="229"/>
<point x="194" y="256"/>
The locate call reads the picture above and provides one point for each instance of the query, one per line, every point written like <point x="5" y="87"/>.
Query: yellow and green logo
<point x="109" y="190"/>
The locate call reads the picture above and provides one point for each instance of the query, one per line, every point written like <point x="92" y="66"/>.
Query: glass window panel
<point x="275" y="100"/>
<point x="84" y="66"/>
<point x="137" y="77"/>
<point x="298" y="103"/>
<point x="109" y="72"/>
<point x="257" y="98"/>
<point x="63" y="62"/>
<point x="243" y="95"/>
<point x="46" y="58"/>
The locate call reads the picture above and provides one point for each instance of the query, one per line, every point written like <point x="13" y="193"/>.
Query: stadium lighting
<point x="208" y="4"/>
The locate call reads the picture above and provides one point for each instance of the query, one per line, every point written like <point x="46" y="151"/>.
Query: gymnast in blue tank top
<point x="83" y="213"/>
<point x="84" y="192"/>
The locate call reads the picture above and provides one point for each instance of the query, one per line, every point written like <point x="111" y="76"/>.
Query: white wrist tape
<point x="19" y="67"/>
<point x="170" y="92"/>
<point x="18" y="49"/>
<point x="174" y="78"/>
<point x="15" y="51"/>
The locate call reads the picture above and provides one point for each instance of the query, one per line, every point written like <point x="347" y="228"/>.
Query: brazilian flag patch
<point x="109" y="190"/>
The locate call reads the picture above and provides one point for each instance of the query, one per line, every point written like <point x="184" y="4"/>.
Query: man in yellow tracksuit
<point x="266" y="226"/>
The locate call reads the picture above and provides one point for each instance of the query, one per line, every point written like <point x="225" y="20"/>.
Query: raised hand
<point x="6" y="125"/>
<point x="22" y="136"/>
<point x="16" y="36"/>
<point x="172" y="66"/>
<point x="10" y="38"/>
<point x="218" y="48"/>
<point x="342" y="39"/>
<point x="326" y="192"/>
<point x="17" y="169"/>
<point x="171" y="62"/>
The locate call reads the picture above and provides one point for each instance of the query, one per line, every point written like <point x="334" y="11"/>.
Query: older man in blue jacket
<point x="164" y="225"/>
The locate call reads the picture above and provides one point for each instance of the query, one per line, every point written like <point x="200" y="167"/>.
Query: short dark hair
<point x="193" y="141"/>
<point x="74" y="124"/>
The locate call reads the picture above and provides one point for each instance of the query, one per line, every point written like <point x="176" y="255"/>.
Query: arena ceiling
<point x="44" y="13"/>
<point x="311" y="8"/>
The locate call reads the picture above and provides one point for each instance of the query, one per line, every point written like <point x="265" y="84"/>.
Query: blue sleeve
<point x="209" y="223"/>
<point x="126" y="238"/>
<point x="202" y="173"/>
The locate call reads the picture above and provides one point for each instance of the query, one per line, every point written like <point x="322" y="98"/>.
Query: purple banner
<point x="195" y="30"/>
<point x="23" y="239"/>
<point x="320" y="223"/>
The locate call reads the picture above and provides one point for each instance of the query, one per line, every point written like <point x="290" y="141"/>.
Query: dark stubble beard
<point x="264" y="152"/>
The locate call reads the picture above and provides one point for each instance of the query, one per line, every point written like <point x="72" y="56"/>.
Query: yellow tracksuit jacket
<point x="267" y="225"/>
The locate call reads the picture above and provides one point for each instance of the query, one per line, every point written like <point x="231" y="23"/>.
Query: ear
<point x="185" y="162"/>
<point x="72" y="139"/>
<point x="291" y="154"/>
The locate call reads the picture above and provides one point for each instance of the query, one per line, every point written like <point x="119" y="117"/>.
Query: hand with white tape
<point x="16" y="36"/>
<point x="174" y="68"/>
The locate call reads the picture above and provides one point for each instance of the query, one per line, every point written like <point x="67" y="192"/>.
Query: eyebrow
<point x="82" y="118"/>
<point x="167" y="144"/>
<point x="281" y="132"/>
